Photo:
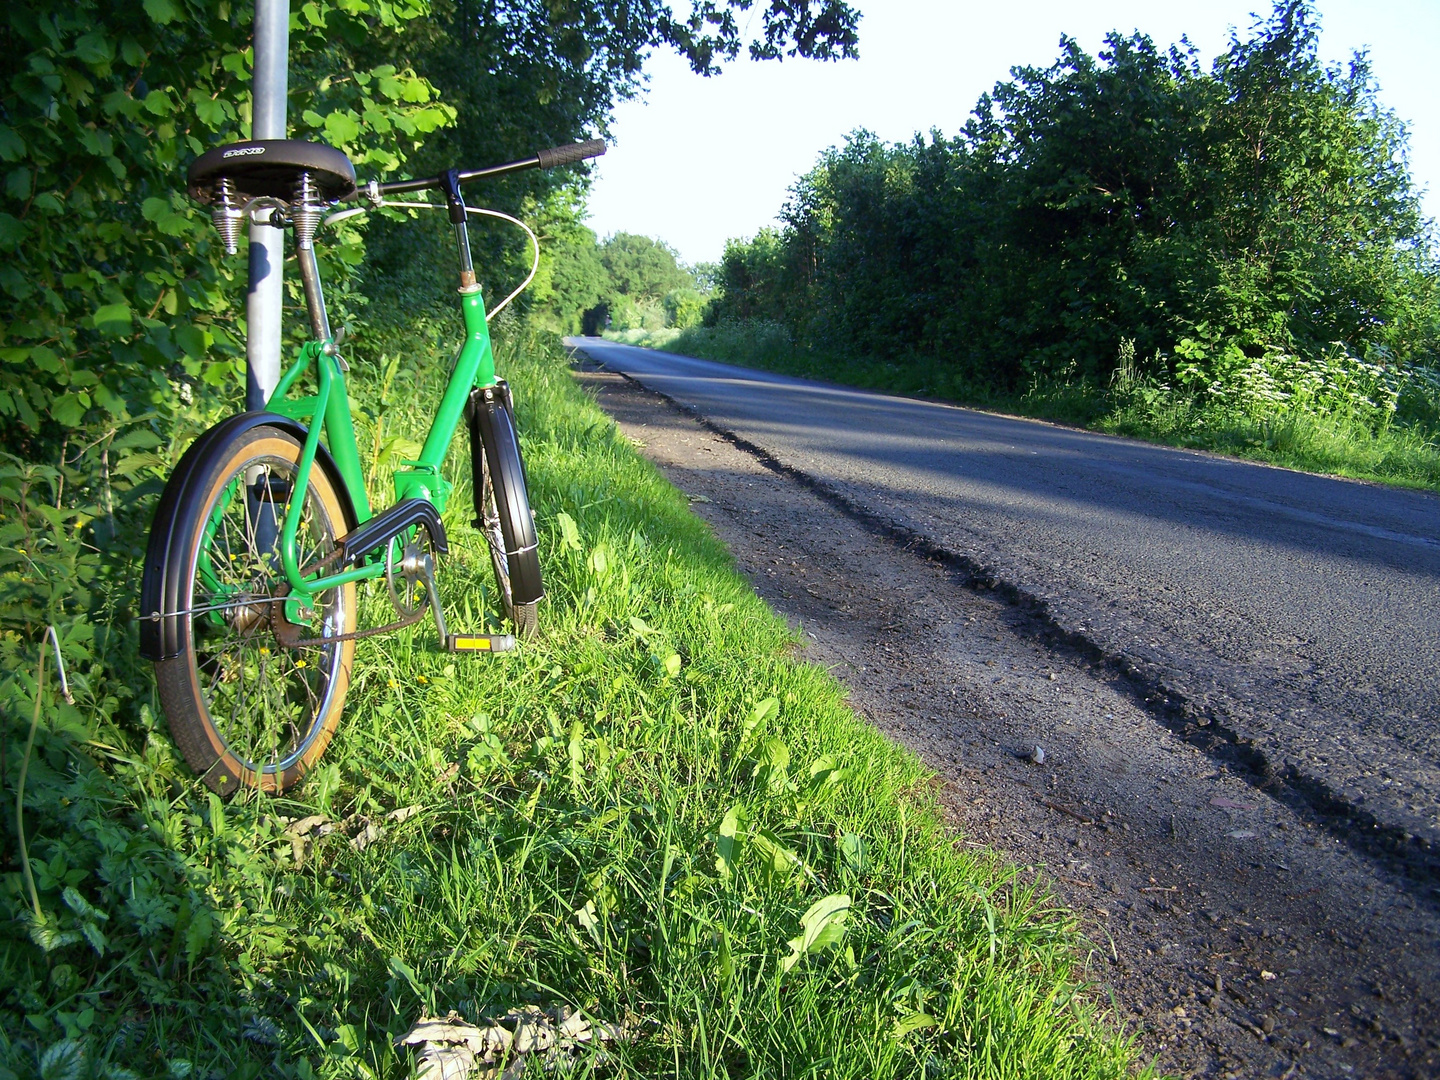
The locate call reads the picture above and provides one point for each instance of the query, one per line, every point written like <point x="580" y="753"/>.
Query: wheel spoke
<point x="263" y="701"/>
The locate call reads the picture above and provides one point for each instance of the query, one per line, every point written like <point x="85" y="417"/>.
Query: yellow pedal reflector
<point x="480" y="643"/>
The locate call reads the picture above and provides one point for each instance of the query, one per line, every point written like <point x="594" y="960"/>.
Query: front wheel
<point x="508" y="524"/>
<point x="254" y="698"/>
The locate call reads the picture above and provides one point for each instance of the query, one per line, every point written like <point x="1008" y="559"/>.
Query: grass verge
<point x="654" y="814"/>
<point x="1399" y="454"/>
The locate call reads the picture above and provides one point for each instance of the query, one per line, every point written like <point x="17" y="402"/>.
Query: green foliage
<point x="525" y="74"/>
<point x="628" y="282"/>
<point x="684" y="307"/>
<point x="754" y="282"/>
<point x="642" y="268"/>
<point x="747" y="342"/>
<point x="572" y="278"/>
<point x="1210" y="218"/>
<point x="113" y="284"/>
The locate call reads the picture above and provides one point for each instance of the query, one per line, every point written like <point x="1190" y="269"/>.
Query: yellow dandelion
<point x="393" y="684"/>
<point x="299" y="663"/>
<point x="264" y="651"/>
<point x="421" y="678"/>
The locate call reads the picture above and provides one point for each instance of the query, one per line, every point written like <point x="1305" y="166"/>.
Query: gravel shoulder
<point x="1234" y="930"/>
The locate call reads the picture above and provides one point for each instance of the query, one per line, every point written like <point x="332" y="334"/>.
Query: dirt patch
<point x="1234" y="932"/>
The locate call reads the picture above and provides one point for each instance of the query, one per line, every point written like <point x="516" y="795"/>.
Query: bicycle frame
<point x="329" y="408"/>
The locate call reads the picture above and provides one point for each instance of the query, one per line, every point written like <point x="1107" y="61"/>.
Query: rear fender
<point x="163" y="628"/>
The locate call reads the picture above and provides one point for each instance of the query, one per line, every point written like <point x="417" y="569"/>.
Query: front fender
<point x="172" y="533"/>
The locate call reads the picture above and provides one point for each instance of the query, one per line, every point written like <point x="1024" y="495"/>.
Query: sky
<point x="697" y="161"/>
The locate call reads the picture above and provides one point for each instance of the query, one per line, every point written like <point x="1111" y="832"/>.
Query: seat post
<point x="305" y="211"/>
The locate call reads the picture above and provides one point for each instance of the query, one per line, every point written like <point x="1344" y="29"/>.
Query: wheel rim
<point x="266" y="703"/>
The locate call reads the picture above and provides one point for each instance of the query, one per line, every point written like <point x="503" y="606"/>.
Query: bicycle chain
<point x="277" y="616"/>
<point x="356" y="635"/>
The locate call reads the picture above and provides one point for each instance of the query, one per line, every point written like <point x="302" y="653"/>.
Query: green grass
<point x="1404" y="454"/>
<point x="630" y="815"/>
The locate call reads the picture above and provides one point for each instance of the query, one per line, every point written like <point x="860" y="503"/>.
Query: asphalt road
<point x="1290" y="622"/>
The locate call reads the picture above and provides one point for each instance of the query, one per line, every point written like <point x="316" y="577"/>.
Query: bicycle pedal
<point x="479" y="643"/>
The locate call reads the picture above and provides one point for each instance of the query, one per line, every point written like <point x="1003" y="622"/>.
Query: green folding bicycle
<point x="248" y="602"/>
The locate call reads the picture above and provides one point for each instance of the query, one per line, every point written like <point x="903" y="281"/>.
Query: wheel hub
<point x="244" y="618"/>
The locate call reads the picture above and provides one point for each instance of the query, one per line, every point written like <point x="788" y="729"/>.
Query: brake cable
<point x="341" y="215"/>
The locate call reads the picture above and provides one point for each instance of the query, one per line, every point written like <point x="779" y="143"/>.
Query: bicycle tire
<point x="508" y="524"/>
<point x="243" y="709"/>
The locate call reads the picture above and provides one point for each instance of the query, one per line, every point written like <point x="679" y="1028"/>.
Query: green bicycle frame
<point x="330" y="407"/>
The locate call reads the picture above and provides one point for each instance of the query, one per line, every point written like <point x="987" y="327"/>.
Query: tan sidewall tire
<point x="190" y="725"/>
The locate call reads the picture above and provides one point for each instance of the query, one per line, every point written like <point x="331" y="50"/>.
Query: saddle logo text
<point x="243" y="151"/>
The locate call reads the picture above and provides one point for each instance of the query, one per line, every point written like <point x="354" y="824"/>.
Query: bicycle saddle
<point x="271" y="167"/>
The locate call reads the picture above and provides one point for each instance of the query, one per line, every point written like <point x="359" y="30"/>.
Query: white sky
<point x="696" y="161"/>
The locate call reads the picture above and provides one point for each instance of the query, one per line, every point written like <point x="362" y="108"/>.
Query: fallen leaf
<point x="301" y="843"/>
<point x="451" y="1049"/>
<point x="366" y="836"/>
<point x="304" y="825"/>
<point x="444" y="1062"/>
<point x="405" y="813"/>
<point x="1268" y="976"/>
<point x="1229" y="804"/>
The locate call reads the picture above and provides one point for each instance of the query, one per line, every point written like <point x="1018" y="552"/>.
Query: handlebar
<point x="545" y="159"/>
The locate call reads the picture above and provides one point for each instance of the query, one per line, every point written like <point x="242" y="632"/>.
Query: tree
<point x="1203" y="218"/>
<point x="684" y="307"/>
<point x="525" y="74"/>
<point x="642" y="268"/>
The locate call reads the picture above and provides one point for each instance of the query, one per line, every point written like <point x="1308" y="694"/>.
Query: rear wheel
<point x="248" y="700"/>
<point x="509" y="526"/>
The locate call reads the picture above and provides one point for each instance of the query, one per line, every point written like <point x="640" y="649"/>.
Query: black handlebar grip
<point x="568" y="155"/>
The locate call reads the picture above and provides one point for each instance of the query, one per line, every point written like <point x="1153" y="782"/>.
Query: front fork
<point x="478" y="397"/>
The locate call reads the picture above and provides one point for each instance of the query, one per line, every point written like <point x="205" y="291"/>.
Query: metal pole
<point x="267" y="244"/>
